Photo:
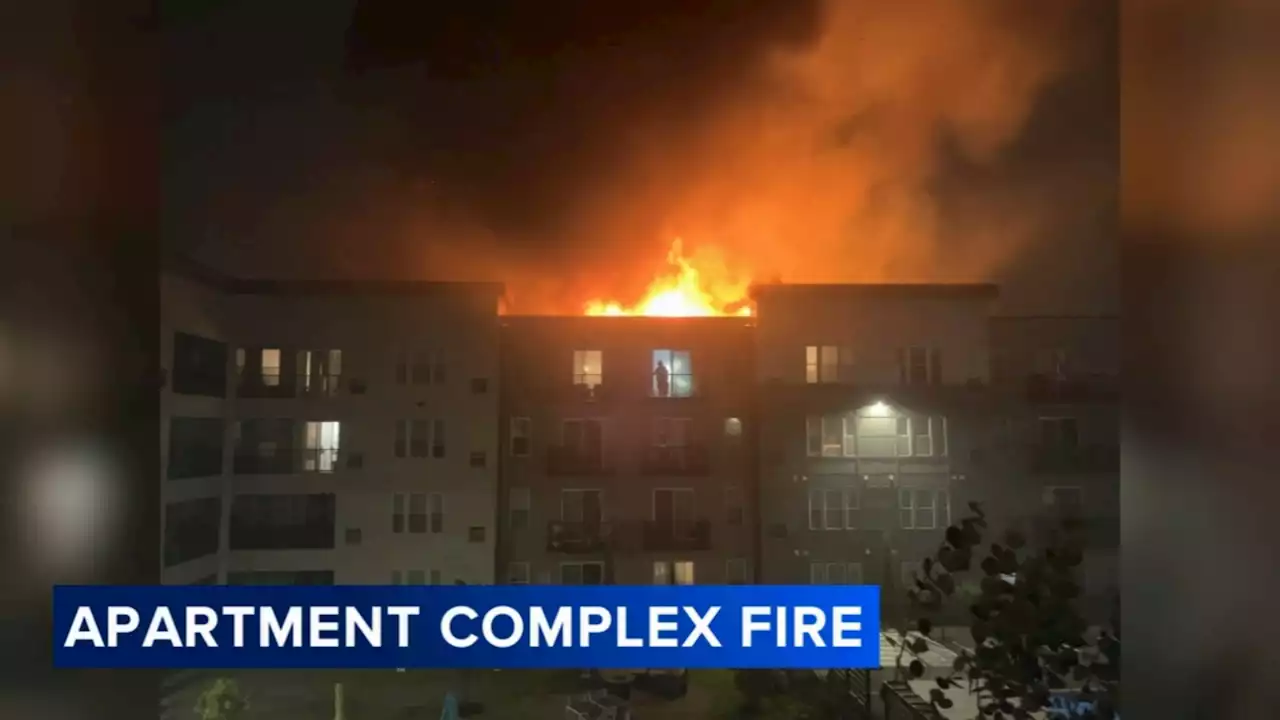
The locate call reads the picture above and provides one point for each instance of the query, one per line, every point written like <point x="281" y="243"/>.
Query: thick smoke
<point x="863" y="141"/>
<point x="829" y="164"/>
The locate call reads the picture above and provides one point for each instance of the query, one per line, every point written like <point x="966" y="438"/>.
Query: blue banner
<point x="492" y="626"/>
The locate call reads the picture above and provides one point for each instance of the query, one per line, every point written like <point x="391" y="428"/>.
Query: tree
<point x="222" y="700"/>
<point x="1029" y="636"/>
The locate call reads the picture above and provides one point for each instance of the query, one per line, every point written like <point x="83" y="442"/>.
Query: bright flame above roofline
<point x="683" y="292"/>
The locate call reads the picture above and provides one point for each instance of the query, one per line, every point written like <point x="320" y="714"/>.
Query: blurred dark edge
<point x="85" y="262"/>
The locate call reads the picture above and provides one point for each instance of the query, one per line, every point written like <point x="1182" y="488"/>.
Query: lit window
<point x="672" y="374"/>
<point x="732" y="427"/>
<point x="588" y="368"/>
<point x="827" y="364"/>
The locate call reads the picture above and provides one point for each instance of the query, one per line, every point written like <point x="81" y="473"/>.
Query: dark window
<point x="475" y="533"/>
<point x="357" y="387"/>
<point x="195" y="447"/>
<point x="191" y="529"/>
<point x="437" y="438"/>
<point x="199" y="366"/>
<point x="206" y="580"/>
<point x="479" y="386"/>
<point x="283" y="522"/>
<point x="478" y="459"/>
<point x="353" y="536"/>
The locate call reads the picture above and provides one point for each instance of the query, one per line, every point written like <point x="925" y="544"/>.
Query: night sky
<point x="560" y="146"/>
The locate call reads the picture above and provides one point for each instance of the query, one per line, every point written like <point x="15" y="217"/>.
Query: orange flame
<point x="682" y="292"/>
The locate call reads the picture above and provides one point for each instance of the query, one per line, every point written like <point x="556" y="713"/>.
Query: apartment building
<point x="628" y="451"/>
<point x="1059" y="451"/>
<point x="340" y="432"/>
<point x="870" y="398"/>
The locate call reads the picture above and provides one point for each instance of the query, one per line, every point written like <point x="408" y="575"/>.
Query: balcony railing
<point x="288" y="462"/>
<point x="260" y="536"/>
<point x="687" y="460"/>
<point x="564" y="536"/>
<point x="676" y="536"/>
<point x="563" y="460"/>
<point x="1082" y="459"/>
<point x="273" y="384"/>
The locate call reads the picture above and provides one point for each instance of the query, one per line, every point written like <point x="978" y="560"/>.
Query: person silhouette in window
<point x="662" y="380"/>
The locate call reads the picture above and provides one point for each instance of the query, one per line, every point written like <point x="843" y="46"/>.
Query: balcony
<point x="263" y="536"/>
<point x="1078" y="460"/>
<point x="289" y="462"/>
<point x="590" y="393"/>
<point x="269" y="384"/>
<point x="1091" y="388"/>
<point x="571" y="461"/>
<point x="675" y="461"/>
<point x="673" y="536"/>
<point x="572" y="538"/>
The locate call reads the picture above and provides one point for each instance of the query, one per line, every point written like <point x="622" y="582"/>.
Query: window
<point x="352" y="536"/>
<point x="518" y="573"/>
<point x="930" y="436"/>
<point x="195" y="447"/>
<point x="521" y="429"/>
<point x="583" y="438"/>
<point x="1059" y="433"/>
<point x="582" y="573"/>
<point x="270" y="367"/>
<point x="199" y="366"/>
<point x="920" y="366"/>
<point x="518" y="502"/>
<point x="320" y="371"/>
<point x="834" y="509"/>
<point x="397" y="513"/>
<point x="476" y="534"/>
<point x="673" y="506"/>
<point x="735" y="507"/>
<point x="834" y="573"/>
<point x="924" y="509"/>
<point x="732" y="428"/>
<point x="414" y="438"/>
<point x="880" y="436"/>
<point x="671" y="432"/>
<point x="825" y="436"/>
<point x="322" y="440"/>
<point x="584" y="506"/>
<point x="437" y="513"/>
<point x="588" y="368"/>
<point x="827" y="364"/>
<point x="421" y="367"/>
<point x="437" y="438"/>
<point x="435" y="577"/>
<point x="735" y="571"/>
<point x="853" y="573"/>
<point x="479" y="386"/>
<point x="417" y="577"/>
<point x="478" y="459"/>
<point x="1063" y="499"/>
<point x="675" y="572"/>
<point x="416" y="512"/>
<point x="672" y="374"/>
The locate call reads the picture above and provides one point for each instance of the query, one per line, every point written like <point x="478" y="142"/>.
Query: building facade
<point x="1060" y="439"/>
<point x="341" y="433"/>
<point x="375" y="433"/>
<point x="869" y="401"/>
<point x="628" y="453"/>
